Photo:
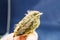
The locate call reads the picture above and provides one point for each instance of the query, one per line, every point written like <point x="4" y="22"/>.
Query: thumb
<point x="20" y="38"/>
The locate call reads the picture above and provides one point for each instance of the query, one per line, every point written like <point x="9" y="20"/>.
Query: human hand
<point x="32" y="36"/>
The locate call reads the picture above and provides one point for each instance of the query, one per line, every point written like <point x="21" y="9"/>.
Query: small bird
<point x="28" y="24"/>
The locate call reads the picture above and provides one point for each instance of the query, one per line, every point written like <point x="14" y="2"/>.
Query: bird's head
<point x="35" y="14"/>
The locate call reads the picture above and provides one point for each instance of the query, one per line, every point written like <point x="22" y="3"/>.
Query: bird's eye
<point x="35" y="14"/>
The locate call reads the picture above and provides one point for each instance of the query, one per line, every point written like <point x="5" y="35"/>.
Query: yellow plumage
<point x="28" y="24"/>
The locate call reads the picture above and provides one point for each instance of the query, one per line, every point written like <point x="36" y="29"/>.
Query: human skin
<point x="20" y="38"/>
<point x="32" y="36"/>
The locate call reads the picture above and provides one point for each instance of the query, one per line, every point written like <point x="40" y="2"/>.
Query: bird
<point x="28" y="24"/>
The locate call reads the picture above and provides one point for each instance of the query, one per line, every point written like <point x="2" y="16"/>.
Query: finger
<point x="20" y="38"/>
<point x="33" y="36"/>
<point x="7" y="37"/>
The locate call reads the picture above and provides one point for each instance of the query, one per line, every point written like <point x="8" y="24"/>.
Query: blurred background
<point x="50" y="20"/>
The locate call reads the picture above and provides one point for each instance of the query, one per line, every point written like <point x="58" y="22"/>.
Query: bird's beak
<point x="40" y="13"/>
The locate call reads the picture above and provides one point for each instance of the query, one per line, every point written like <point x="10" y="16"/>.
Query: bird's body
<point x="28" y="24"/>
